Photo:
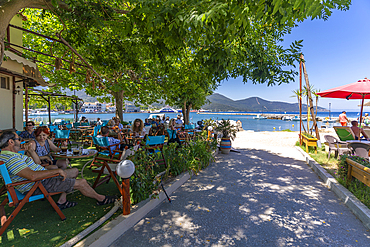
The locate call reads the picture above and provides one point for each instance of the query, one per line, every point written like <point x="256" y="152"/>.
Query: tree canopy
<point x="138" y="48"/>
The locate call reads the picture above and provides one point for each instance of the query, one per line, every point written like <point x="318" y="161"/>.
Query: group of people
<point x="33" y="167"/>
<point x="357" y="131"/>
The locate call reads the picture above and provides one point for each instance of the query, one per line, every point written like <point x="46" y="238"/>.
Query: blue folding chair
<point x="18" y="200"/>
<point x="154" y="144"/>
<point x="61" y="136"/>
<point x="103" y="147"/>
<point x="69" y="126"/>
<point x="95" y="133"/>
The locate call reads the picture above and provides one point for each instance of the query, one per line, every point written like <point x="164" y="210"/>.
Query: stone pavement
<point x="265" y="195"/>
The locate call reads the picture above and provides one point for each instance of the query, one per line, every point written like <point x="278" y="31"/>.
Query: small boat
<point x="259" y="116"/>
<point x="287" y="118"/>
<point x="42" y="113"/>
<point x="167" y="109"/>
<point x="296" y="118"/>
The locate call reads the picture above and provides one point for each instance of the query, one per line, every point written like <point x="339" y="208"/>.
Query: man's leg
<point x="86" y="190"/>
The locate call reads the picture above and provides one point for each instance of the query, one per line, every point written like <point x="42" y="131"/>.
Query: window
<point x="4" y="82"/>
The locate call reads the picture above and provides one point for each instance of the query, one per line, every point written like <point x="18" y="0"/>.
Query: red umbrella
<point x="357" y="90"/>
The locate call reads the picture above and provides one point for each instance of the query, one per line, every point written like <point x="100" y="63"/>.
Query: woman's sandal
<point x="67" y="204"/>
<point x="107" y="200"/>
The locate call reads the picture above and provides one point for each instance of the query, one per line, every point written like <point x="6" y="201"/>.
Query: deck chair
<point x="94" y="133"/>
<point x="103" y="147"/>
<point x="154" y="144"/>
<point x="360" y="149"/>
<point x="337" y="146"/>
<point x="18" y="200"/>
<point x="344" y="133"/>
<point x="172" y="136"/>
<point x="69" y="126"/>
<point x="61" y="136"/>
<point x="189" y="128"/>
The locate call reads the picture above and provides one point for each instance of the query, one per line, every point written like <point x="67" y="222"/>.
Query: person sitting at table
<point x="99" y="122"/>
<point x="138" y="128"/>
<point x="28" y="133"/>
<point x="111" y="123"/>
<point x="42" y="146"/>
<point x="118" y="124"/>
<point x="167" y="120"/>
<point x="22" y="167"/>
<point x="146" y="123"/>
<point x="83" y="119"/>
<point x="358" y="131"/>
<point x="178" y="122"/>
<point x="111" y="140"/>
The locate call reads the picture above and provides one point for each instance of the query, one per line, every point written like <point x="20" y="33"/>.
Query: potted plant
<point x="228" y="132"/>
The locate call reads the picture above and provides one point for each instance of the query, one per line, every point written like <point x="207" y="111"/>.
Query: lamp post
<point x="125" y="169"/>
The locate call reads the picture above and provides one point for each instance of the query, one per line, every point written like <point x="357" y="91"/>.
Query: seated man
<point x="28" y="133"/>
<point x="105" y="132"/>
<point x="358" y="131"/>
<point x="22" y="167"/>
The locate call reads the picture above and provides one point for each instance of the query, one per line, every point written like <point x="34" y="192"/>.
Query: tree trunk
<point x="184" y="112"/>
<point x="118" y="96"/>
<point x="188" y="113"/>
<point x="310" y="99"/>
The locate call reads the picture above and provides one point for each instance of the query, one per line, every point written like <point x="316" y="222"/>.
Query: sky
<point x="336" y="51"/>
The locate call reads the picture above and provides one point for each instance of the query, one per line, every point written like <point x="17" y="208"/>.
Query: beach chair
<point x="18" y="200"/>
<point x="337" y="146"/>
<point x="344" y="133"/>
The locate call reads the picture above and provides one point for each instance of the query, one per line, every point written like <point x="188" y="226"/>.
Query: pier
<point x="277" y="116"/>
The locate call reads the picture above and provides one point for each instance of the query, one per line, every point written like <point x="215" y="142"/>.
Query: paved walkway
<point x="253" y="198"/>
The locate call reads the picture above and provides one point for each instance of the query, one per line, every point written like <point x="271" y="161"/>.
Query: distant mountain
<point x="219" y="102"/>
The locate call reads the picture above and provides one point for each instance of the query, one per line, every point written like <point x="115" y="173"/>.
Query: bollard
<point x="126" y="202"/>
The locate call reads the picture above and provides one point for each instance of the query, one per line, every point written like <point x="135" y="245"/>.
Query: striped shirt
<point x="15" y="163"/>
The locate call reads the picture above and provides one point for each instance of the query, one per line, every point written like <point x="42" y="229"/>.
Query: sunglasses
<point x="29" y="125"/>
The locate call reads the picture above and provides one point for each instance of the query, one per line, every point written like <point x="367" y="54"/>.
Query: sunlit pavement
<point x="256" y="197"/>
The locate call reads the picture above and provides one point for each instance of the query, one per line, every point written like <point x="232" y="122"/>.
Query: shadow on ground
<point x="251" y="198"/>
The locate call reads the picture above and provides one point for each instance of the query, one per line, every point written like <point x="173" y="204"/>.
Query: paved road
<point x="252" y="198"/>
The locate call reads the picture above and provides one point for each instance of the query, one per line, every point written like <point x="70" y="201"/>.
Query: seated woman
<point x="146" y="123"/>
<point x="118" y="124"/>
<point x="138" y="128"/>
<point x="42" y="146"/>
<point x="28" y="133"/>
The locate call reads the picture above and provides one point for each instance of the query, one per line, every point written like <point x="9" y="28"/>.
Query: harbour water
<point x="247" y="120"/>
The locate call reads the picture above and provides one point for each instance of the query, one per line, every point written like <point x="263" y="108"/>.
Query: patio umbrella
<point x="357" y="90"/>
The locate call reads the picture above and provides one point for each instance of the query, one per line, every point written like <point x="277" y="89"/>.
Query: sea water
<point x="248" y="122"/>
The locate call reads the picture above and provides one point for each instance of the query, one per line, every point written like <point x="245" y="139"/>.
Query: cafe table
<point x="86" y="153"/>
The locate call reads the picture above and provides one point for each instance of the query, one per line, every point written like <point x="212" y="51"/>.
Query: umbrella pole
<point x="362" y="107"/>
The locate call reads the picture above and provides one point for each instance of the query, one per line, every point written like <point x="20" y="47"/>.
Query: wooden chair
<point x="154" y="144"/>
<point x="61" y="136"/>
<point x="18" y="200"/>
<point x="103" y="147"/>
<point x="344" y="133"/>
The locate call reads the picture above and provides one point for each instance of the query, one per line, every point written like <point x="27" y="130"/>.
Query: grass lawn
<point x="356" y="187"/>
<point x="39" y="225"/>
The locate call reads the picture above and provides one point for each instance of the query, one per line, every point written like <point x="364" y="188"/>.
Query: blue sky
<point x="336" y="51"/>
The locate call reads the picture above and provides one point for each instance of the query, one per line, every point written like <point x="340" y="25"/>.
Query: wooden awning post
<point x="26" y="102"/>
<point x="13" y="102"/>
<point x="49" y="109"/>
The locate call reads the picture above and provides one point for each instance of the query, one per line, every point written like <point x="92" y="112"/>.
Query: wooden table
<point x="86" y="153"/>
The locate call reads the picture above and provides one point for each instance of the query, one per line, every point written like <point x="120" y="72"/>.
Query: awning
<point x="30" y="71"/>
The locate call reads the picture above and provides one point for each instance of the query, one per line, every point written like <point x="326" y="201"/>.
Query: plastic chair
<point x="61" y="136"/>
<point x="337" y="146"/>
<point x="360" y="149"/>
<point x="344" y="133"/>
<point x="18" y="200"/>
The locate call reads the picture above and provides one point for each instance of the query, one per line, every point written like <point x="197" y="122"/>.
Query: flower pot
<point x="358" y="171"/>
<point x="225" y="145"/>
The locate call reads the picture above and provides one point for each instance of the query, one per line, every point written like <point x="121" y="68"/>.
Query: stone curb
<point x="114" y="229"/>
<point x="355" y="205"/>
